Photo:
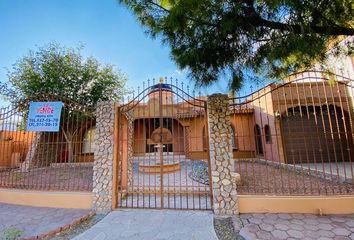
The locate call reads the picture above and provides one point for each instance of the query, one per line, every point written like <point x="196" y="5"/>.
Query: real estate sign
<point x="44" y="116"/>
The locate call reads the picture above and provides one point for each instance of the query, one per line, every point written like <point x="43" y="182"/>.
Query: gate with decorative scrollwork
<point x="163" y="157"/>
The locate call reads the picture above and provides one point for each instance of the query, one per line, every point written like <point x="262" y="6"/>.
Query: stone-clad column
<point x="103" y="157"/>
<point x="223" y="177"/>
<point x="130" y="151"/>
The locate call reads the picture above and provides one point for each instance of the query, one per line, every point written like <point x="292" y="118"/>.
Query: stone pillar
<point x="130" y="151"/>
<point x="103" y="157"/>
<point x="223" y="177"/>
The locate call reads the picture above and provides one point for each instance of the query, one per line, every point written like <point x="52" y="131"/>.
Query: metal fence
<point x="163" y="152"/>
<point x="295" y="137"/>
<point x="290" y="138"/>
<point x="47" y="160"/>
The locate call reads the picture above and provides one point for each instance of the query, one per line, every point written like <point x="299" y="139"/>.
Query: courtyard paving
<point x="153" y="225"/>
<point x="180" y="190"/>
<point x="172" y="181"/>
<point x="295" y="226"/>
<point x="35" y="221"/>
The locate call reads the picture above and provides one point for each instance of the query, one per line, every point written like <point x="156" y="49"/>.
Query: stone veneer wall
<point x="103" y="157"/>
<point x="223" y="177"/>
<point x="130" y="148"/>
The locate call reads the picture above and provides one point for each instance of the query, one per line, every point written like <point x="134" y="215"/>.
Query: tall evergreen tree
<point x="268" y="37"/>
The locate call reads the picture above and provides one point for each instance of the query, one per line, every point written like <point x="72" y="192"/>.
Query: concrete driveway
<point x="153" y="224"/>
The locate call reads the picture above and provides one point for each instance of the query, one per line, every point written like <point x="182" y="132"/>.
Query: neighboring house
<point x="341" y="65"/>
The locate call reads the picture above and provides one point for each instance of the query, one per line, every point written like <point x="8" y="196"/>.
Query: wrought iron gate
<point x="163" y="155"/>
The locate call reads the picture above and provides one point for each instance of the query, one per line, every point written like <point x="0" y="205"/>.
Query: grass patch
<point x="12" y="234"/>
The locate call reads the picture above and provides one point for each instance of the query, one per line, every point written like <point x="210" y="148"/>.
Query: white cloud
<point x="179" y="72"/>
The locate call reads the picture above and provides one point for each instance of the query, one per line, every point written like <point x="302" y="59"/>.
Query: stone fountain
<point x="160" y="161"/>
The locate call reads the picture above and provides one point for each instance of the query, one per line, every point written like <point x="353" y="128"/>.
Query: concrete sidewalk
<point x="32" y="222"/>
<point x="153" y="225"/>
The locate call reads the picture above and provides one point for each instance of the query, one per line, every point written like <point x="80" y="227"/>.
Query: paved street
<point x="153" y="225"/>
<point x="35" y="221"/>
<point x="296" y="226"/>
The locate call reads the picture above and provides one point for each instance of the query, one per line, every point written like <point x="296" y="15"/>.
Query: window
<point x="258" y="138"/>
<point x="233" y="138"/>
<point x="89" y="141"/>
<point x="267" y="134"/>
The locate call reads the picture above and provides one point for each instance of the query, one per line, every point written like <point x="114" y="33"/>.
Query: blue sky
<point x="108" y="30"/>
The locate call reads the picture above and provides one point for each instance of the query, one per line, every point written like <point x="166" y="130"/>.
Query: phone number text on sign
<point x="44" y="116"/>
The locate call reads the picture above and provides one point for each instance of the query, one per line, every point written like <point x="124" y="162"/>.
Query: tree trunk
<point x="69" y="137"/>
<point x="70" y="151"/>
<point x="27" y="164"/>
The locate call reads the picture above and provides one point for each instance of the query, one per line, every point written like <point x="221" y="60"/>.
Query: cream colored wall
<point x="79" y="200"/>
<point x="296" y="204"/>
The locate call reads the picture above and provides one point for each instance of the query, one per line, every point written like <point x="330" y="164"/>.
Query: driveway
<point x="153" y="225"/>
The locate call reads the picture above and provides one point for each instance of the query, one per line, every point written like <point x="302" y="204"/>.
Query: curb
<point x="54" y="232"/>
